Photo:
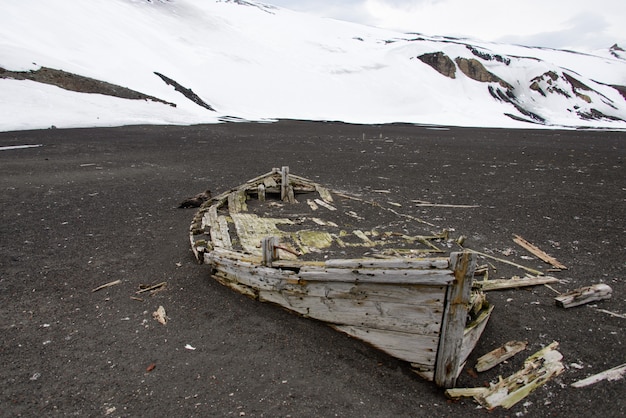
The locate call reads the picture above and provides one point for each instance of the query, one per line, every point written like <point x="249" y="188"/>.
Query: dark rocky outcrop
<point x="78" y="83"/>
<point x="476" y="71"/>
<point x="188" y="93"/>
<point x="487" y="56"/>
<point x="440" y="62"/>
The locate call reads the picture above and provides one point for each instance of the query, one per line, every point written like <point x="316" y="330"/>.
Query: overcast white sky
<point x="567" y="24"/>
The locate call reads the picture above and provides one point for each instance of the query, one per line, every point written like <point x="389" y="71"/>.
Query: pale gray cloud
<point x="574" y="24"/>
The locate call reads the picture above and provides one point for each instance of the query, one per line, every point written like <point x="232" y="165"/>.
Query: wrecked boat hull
<point x="418" y="309"/>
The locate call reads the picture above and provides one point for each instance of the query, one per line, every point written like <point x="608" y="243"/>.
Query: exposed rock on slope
<point x="440" y="62"/>
<point x="78" y="83"/>
<point x="188" y="93"/>
<point x="476" y="71"/>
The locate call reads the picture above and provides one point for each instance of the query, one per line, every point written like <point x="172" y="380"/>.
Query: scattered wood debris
<point x="537" y="370"/>
<point x="584" y="295"/>
<point x="160" y="315"/>
<point x="150" y="367"/>
<point x="513" y="282"/>
<point x="500" y="354"/>
<point x="616" y="373"/>
<point x="144" y="289"/>
<point x="104" y="286"/>
<point x="615" y="314"/>
<point x="528" y="269"/>
<point x="423" y="203"/>
<point x="539" y="253"/>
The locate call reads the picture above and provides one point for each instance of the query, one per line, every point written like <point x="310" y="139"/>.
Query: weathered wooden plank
<point x="324" y="193"/>
<point x="261" y="192"/>
<point x="254" y="276"/>
<point x="219" y="229"/>
<point x="452" y="330"/>
<point x="237" y="201"/>
<point x="224" y="233"/>
<point x="324" y="204"/>
<point x="616" y="373"/>
<point x="363" y="237"/>
<point x="471" y="335"/>
<point x="408" y="294"/>
<point x="500" y="354"/>
<point x="390" y="263"/>
<point x="533" y="249"/>
<point x="599" y="291"/>
<point x="397" y="276"/>
<point x="415" y="319"/>
<point x="268" y="250"/>
<point x="514" y="282"/>
<point x="418" y="349"/>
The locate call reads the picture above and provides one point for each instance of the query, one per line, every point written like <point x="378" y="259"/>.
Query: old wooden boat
<point x="360" y="266"/>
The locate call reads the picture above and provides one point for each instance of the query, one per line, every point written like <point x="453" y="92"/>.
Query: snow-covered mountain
<point x="71" y="63"/>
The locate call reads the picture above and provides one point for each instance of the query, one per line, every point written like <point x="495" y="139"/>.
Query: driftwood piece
<point x="538" y="252"/>
<point x="104" y="286"/>
<point x="514" y="282"/>
<point x="422" y="203"/>
<point x="616" y="373"/>
<point x="151" y="288"/>
<point x="528" y="269"/>
<point x="584" y="295"/>
<point x="537" y="370"/>
<point x="500" y="354"/>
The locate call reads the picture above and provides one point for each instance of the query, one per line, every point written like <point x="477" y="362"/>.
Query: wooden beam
<point x="538" y="252"/>
<point x="513" y="283"/>
<point x="584" y="295"/>
<point x="454" y="319"/>
<point x="499" y="355"/>
<point x="616" y="373"/>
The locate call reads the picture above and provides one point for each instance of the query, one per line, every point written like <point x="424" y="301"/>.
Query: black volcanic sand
<point x="96" y="205"/>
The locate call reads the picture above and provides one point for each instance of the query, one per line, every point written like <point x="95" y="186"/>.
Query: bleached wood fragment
<point x="538" y="252"/>
<point x="261" y="192"/>
<point x="456" y="393"/>
<point x="324" y="193"/>
<point x="326" y="205"/>
<point x="422" y="203"/>
<point x="151" y="288"/>
<point x="528" y="269"/>
<point x="584" y="295"/>
<point x="500" y="354"/>
<point x="312" y="204"/>
<point x="514" y="282"/>
<point x="104" y="286"/>
<point x="537" y="370"/>
<point x="616" y="373"/>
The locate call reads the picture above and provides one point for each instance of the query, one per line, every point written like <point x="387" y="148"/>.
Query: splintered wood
<point x="616" y="373"/>
<point x="584" y="295"/>
<point x="539" y="253"/>
<point x="537" y="370"/>
<point x="500" y="354"/>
